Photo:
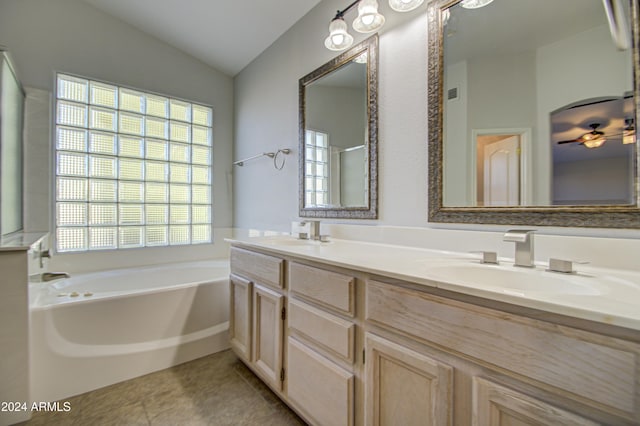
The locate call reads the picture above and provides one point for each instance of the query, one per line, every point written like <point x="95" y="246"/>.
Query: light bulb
<point x="595" y="142"/>
<point x="368" y="20"/>
<point x="339" y="38"/>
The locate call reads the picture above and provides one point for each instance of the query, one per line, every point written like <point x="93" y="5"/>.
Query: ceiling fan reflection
<point x="596" y="138"/>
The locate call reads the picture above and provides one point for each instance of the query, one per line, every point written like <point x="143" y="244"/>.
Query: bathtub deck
<point x="214" y="390"/>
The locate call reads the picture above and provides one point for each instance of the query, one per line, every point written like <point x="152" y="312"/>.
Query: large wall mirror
<point x="338" y="136"/>
<point x="533" y="110"/>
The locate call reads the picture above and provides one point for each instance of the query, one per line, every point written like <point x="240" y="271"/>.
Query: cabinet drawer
<point x="492" y="402"/>
<point x="330" y="289"/>
<point x="328" y="331"/>
<point x="257" y="267"/>
<point x="322" y="391"/>
<point x="592" y="367"/>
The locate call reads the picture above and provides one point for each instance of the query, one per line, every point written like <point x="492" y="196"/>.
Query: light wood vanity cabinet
<point x="496" y="405"/>
<point x="405" y="387"/>
<point x="256" y="314"/>
<point x="510" y="369"/>
<point x="375" y="351"/>
<point x="306" y="352"/>
<point x="320" y="346"/>
<point x="241" y="318"/>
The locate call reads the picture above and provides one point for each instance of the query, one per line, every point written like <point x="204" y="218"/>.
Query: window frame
<point x="198" y="221"/>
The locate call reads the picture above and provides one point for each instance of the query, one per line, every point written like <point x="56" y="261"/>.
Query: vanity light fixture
<point x="404" y="5"/>
<point x="368" y="20"/>
<point x="474" y="4"/>
<point x="629" y="132"/>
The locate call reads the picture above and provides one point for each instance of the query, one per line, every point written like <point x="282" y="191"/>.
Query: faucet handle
<point x="490" y="257"/>
<point x="563" y="266"/>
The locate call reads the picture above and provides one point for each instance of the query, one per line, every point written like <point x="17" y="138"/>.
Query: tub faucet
<point x="50" y="276"/>
<point x="524" y="246"/>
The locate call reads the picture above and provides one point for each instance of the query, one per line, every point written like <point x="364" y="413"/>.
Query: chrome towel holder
<point x="274" y="155"/>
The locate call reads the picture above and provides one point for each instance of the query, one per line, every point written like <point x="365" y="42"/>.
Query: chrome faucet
<point x="50" y="276"/>
<point x="524" y="246"/>
<point x="314" y="228"/>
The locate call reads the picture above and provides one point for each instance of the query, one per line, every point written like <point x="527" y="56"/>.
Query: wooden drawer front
<point x="257" y="267"/>
<point x="404" y="387"/>
<point x="240" y="316"/>
<point x="322" y="391"/>
<point x="267" y="334"/>
<point x="495" y="405"/>
<point x="330" y="289"/>
<point x="328" y="331"/>
<point x="559" y="356"/>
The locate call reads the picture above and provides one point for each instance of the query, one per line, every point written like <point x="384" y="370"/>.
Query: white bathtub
<point x="93" y="330"/>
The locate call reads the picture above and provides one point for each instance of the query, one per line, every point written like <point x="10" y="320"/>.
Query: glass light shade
<point x="361" y="58"/>
<point x="594" y="142"/>
<point x="474" y="4"/>
<point x="339" y="38"/>
<point x="628" y="136"/>
<point x="404" y="5"/>
<point x="368" y="20"/>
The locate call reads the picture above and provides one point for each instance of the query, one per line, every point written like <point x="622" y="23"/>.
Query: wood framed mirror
<point x="514" y="103"/>
<point x="338" y="136"/>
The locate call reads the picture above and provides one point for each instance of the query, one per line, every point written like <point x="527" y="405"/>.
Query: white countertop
<point x="596" y="294"/>
<point x="20" y="241"/>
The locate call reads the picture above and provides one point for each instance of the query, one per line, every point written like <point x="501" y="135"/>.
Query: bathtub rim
<point x="67" y="301"/>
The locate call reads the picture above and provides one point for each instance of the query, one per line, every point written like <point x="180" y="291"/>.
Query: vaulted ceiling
<point x="225" y="34"/>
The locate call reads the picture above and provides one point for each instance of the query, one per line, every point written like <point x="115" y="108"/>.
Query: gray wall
<point x="600" y="181"/>
<point x="338" y="111"/>
<point x="266" y="117"/>
<point x="45" y="36"/>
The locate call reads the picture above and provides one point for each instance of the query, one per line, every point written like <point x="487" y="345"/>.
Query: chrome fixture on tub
<point x="50" y="276"/>
<point x="524" y="246"/>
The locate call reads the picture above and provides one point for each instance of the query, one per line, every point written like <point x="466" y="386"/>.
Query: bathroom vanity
<point x="360" y="333"/>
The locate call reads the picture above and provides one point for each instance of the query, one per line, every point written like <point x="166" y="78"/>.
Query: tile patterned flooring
<point x="215" y="390"/>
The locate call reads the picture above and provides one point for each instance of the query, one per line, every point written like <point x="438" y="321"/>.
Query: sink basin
<point x="515" y="280"/>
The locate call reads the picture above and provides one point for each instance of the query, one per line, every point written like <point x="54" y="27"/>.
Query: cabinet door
<point x="496" y="405"/>
<point x="404" y="387"/>
<point x="240" y="316"/>
<point x="267" y="334"/>
<point x="318" y="388"/>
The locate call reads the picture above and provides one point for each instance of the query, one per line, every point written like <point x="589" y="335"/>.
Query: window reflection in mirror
<point x="525" y="82"/>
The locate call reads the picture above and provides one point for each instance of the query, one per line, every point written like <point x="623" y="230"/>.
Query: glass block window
<point x="316" y="168"/>
<point x="133" y="169"/>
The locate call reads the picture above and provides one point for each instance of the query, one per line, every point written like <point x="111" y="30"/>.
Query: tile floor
<point x="215" y="390"/>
